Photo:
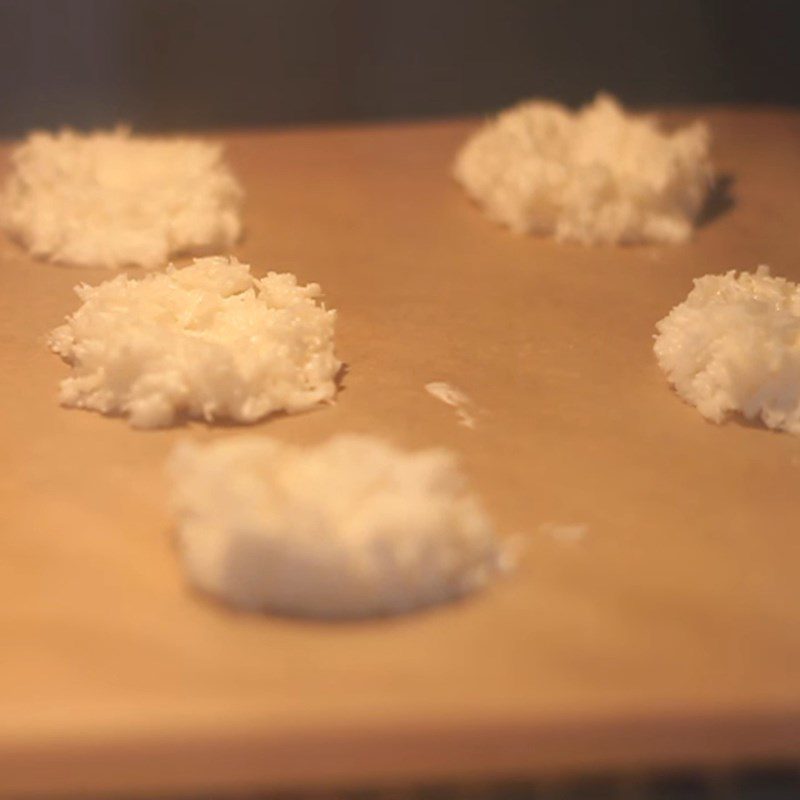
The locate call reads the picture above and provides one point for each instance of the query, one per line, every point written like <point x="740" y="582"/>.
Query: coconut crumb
<point x="111" y="199"/>
<point x="352" y="527"/>
<point x="598" y="175"/>
<point x="209" y="341"/>
<point x="733" y="346"/>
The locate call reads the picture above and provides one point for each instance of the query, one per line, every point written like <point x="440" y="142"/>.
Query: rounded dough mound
<point x="596" y="175"/>
<point x="209" y="341"/>
<point x="734" y="346"/>
<point x="111" y="199"/>
<point x="350" y="528"/>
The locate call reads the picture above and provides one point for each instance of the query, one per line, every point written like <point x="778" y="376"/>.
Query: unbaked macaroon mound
<point x="734" y="346"/>
<point x="210" y="341"/>
<point x="598" y="175"/>
<point x="112" y="199"/>
<point x="352" y="527"/>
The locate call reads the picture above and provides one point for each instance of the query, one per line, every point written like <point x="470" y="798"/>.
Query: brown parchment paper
<point x="670" y="633"/>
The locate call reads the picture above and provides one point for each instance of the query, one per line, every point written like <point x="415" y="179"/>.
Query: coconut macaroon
<point x="734" y="346"/>
<point x="597" y="175"/>
<point x="112" y="199"/>
<point x="208" y="341"/>
<point x="353" y="527"/>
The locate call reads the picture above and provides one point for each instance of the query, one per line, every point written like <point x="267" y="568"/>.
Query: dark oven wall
<point x="170" y="64"/>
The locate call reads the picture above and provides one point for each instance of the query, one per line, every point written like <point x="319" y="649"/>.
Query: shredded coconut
<point x="352" y="527"/>
<point x="209" y="341"/>
<point x="734" y="346"/>
<point x="565" y="533"/>
<point x="596" y="175"/>
<point x="111" y="199"/>
<point x="455" y="398"/>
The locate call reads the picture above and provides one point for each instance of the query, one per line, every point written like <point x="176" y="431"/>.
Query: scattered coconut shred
<point x="209" y="341"/>
<point x="566" y="533"/>
<point x="112" y="199"/>
<point x="595" y="175"/>
<point x="350" y="528"/>
<point x="734" y="346"/>
<point x="456" y="399"/>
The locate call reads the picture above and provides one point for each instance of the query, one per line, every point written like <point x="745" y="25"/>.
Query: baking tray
<point x="667" y="633"/>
